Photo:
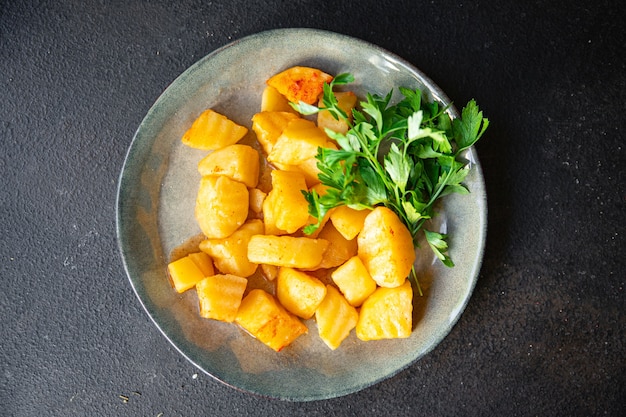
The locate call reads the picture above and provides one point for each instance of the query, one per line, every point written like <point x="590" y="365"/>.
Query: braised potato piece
<point x="386" y="247"/>
<point x="256" y="200"/>
<point x="387" y="314"/>
<point x="184" y="274"/>
<point x="339" y="249"/>
<point x="269" y="125"/>
<point x="221" y="206"/>
<point x="268" y="218"/>
<point x="220" y="296"/>
<point x="300" y="83"/>
<point x="297" y="143"/>
<point x="354" y="281"/>
<point x="289" y="251"/>
<point x="299" y="292"/>
<point x="264" y="318"/>
<point x="309" y="167"/>
<point x="335" y="318"/>
<point x="285" y="206"/>
<point x="212" y="130"/>
<point x="204" y="262"/>
<point x="346" y="101"/>
<point x="238" y="162"/>
<point x="272" y="100"/>
<point x="348" y="221"/>
<point x="230" y="254"/>
<point x="270" y="271"/>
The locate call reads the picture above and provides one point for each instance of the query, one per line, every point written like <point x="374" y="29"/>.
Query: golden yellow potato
<point x="299" y="292"/>
<point x="289" y="251"/>
<point x="272" y="100"/>
<point x="387" y="314"/>
<point x="300" y="83"/>
<point x="297" y="143"/>
<point x="212" y="130"/>
<point x="353" y="280"/>
<point x="256" y="200"/>
<point x="238" y="162"/>
<point x="339" y="249"/>
<point x="184" y="273"/>
<point x="268" y="218"/>
<point x="221" y="206"/>
<point x="346" y="102"/>
<point x="230" y="254"/>
<point x="289" y="209"/>
<point x="270" y="271"/>
<point x="348" y="221"/>
<point x="386" y="247"/>
<point x="264" y="318"/>
<point x="220" y="296"/>
<point x="309" y="167"/>
<point x="204" y="262"/>
<point x="335" y="318"/>
<point x="269" y="125"/>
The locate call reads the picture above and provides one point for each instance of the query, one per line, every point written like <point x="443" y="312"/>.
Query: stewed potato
<point x="387" y="314"/>
<point x="238" y="162"/>
<point x="220" y="296"/>
<point x="300" y="83"/>
<point x="230" y="254"/>
<point x="221" y="206"/>
<point x="289" y="251"/>
<point x="386" y="247"/>
<point x="212" y="130"/>
<point x="335" y="318"/>
<point x="264" y="318"/>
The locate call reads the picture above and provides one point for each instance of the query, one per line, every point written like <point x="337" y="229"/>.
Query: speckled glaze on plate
<point x="156" y="198"/>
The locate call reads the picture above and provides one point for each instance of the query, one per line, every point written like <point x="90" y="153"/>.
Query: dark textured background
<point x="545" y="331"/>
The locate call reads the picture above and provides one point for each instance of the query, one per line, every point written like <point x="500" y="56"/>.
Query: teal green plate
<point x="155" y="205"/>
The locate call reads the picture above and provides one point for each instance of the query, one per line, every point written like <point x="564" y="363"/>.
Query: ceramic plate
<point x="156" y="198"/>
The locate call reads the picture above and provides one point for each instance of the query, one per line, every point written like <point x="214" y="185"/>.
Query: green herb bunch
<point x="404" y="156"/>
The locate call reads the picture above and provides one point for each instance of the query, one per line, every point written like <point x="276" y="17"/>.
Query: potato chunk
<point x="272" y="100"/>
<point x="269" y="125"/>
<point x="299" y="292"/>
<point x="256" y="200"/>
<point x="221" y="206"/>
<point x="335" y="318"/>
<point x="348" y="221"/>
<point x="387" y="314"/>
<point x="300" y="83"/>
<point x="204" y="262"/>
<point x="220" y="296"/>
<point x="212" y="130"/>
<point x="386" y="247"/>
<point x="289" y="251"/>
<point x="346" y="102"/>
<point x="230" y="254"/>
<point x="354" y="281"/>
<point x="297" y="143"/>
<point x="339" y="249"/>
<point x="238" y="162"/>
<point x="289" y="209"/>
<point x="184" y="274"/>
<point x="264" y="318"/>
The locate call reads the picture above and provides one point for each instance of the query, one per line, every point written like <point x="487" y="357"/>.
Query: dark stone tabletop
<point x="544" y="333"/>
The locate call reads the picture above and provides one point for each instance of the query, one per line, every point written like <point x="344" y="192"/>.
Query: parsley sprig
<point x="405" y="156"/>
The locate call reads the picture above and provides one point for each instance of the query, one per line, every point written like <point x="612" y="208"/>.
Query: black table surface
<point x="544" y="332"/>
